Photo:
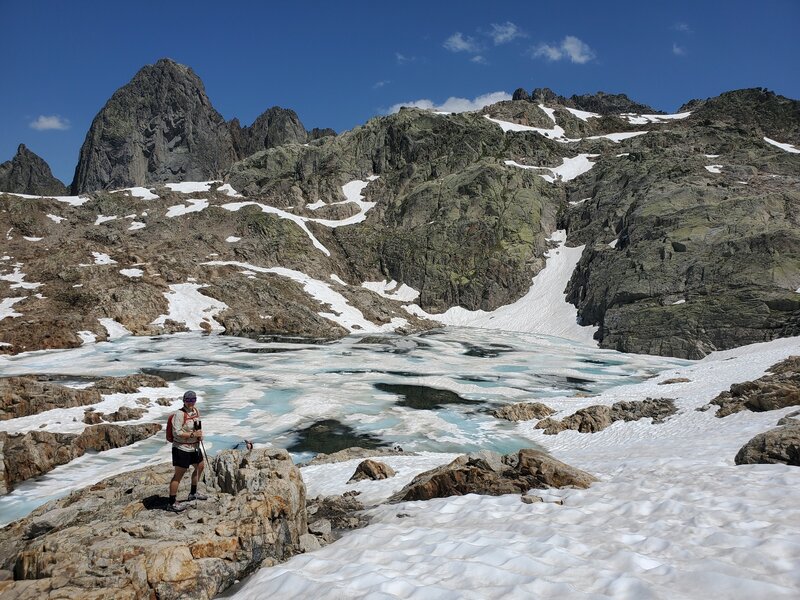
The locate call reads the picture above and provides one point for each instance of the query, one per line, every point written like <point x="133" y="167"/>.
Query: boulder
<point x="779" y="445"/>
<point x="371" y="469"/>
<point x="516" y="474"/>
<point x="523" y="411"/>
<point x="354" y="452"/>
<point x="114" y="540"/>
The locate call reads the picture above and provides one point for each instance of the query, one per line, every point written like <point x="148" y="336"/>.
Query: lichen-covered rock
<point x="779" y="445"/>
<point x="30" y="395"/>
<point x="114" y="540"/>
<point x="523" y="411"/>
<point x="513" y="474"/>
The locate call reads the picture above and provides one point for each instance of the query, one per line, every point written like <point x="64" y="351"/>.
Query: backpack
<point x="171" y="427"/>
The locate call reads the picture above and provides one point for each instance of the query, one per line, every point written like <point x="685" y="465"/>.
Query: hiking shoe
<point x="178" y="507"/>
<point x="197" y="496"/>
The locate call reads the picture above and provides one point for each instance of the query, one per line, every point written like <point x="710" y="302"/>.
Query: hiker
<point x="187" y="436"/>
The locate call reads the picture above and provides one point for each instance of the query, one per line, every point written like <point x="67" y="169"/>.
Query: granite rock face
<point x="160" y="127"/>
<point x="28" y="173"/>
<point x="274" y="127"/>
<point x="115" y="540"/>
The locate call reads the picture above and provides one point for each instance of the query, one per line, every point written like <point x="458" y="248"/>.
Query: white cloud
<point x="380" y="84"/>
<point x="504" y="33"/>
<point x="682" y="27"/>
<point x="45" y="123"/>
<point x="454" y="104"/>
<point x="459" y="43"/>
<point x="479" y="60"/>
<point x="678" y="50"/>
<point x="570" y="47"/>
<point x="403" y="59"/>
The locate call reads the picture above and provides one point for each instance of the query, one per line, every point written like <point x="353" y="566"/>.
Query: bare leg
<point x="198" y="470"/>
<point x="176" y="480"/>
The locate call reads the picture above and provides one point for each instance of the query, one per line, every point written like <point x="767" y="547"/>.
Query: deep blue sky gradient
<point x="326" y="59"/>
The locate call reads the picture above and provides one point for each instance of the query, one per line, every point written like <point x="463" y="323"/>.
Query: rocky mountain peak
<point x="600" y="102"/>
<point x="274" y="127"/>
<point x="159" y="127"/>
<point x="28" y="173"/>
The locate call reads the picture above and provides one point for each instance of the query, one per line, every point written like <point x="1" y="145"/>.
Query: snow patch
<point x="232" y="238"/>
<point x="635" y="119"/>
<point x="101" y="219"/>
<point x="714" y="168"/>
<point x="139" y="192"/>
<point x="56" y="218"/>
<point x="114" y="329"/>
<point x="391" y="290"/>
<point x="6" y="309"/>
<point x="17" y="277"/>
<point x="101" y="258"/>
<point x="570" y="168"/>
<point x="788" y="147"/>
<point x="583" y="115"/>
<point x="132" y="272"/>
<point x="32" y="239"/>
<point x="194" y="205"/>
<point x="188" y="306"/>
<point x="87" y="337"/>
<point x="190" y="187"/>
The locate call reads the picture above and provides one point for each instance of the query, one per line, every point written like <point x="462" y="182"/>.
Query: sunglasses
<point x="190" y="400"/>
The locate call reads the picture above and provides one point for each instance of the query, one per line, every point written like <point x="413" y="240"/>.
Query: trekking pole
<point x="205" y="454"/>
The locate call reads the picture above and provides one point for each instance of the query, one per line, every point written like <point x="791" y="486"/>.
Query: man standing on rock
<point x="187" y="436"/>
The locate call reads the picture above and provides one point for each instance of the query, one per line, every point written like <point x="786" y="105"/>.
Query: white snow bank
<point x="188" y="306"/>
<point x="17" y="277"/>
<point x="788" y="147"/>
<point x="391" y="290"/>
<point x="56" y="218"/>
<point x="101" y="258"/>
<point x="617" y="137"/>
<point x="190" y="187"/>
<point x="103" y="219"/>
<point x="714" y="168"/>
<point x="582" y="114"/>
<point x="132" y="272"/>
<point x="194" y="205"/>
<point x="569" y="169"/>
<point x="232" y="239"/>
<point x="228" y="190"/>
<point x="31" y="238"/>
<point x="87" y="337"/>
<point x="139" y="192"/>
<point x="114" y="329"/>
<point x="635" y="119"/>
<point x="543" y="310"/>
<point x="6" y="309"/>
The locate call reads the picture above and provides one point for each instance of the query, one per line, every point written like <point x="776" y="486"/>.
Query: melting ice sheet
<point x="272" y="392"/>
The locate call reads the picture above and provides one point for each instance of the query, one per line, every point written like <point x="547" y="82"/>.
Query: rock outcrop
<point x="779" y="445"/>
<point x="37" y="452"/>
<point x="596" y="418"/>
<point x="28" y="173"/>
<point x="491" y="474"/>
<point x="114" y="540"/>
<point x="523" y="411"/>
<point x="29" y="394"/>
<point x="600" y="103"/>
<point x="274" y="127"/>
<point x="779" y="389"/>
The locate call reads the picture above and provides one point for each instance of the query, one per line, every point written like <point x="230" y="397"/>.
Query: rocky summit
<point x="28" y="173"/>
<point x="688" y="223"/>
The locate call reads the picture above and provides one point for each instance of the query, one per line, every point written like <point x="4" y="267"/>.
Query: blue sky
<point x="339" y="63"/>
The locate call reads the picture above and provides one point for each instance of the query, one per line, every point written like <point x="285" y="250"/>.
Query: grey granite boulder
<point x="523" y="411"/>
<point x="779" y="445"/>
<point x="371" y="469"/>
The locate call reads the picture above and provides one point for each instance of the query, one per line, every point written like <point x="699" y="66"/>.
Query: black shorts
<point x="183" y="459"/>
